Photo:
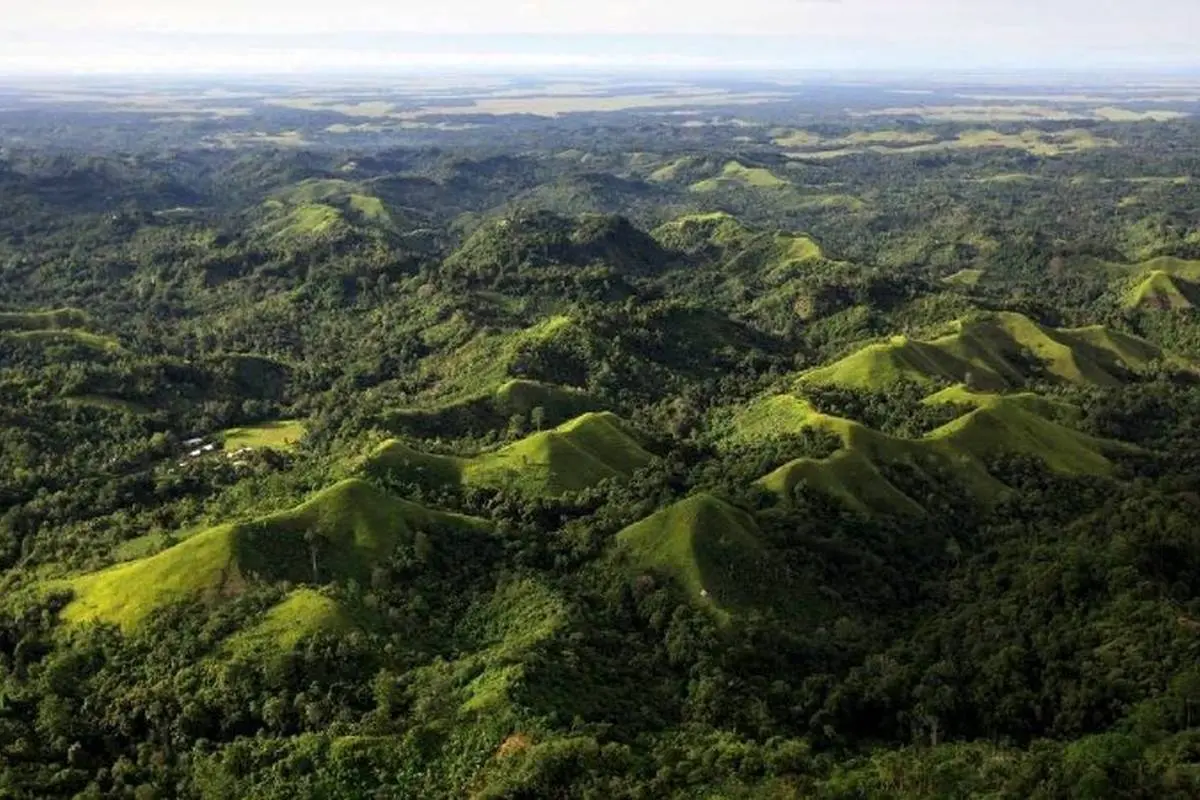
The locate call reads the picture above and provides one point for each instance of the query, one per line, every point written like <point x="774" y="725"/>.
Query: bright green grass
<point x="499" y="404"/>
<point x="767" y="418"/>
<point x="999" y="424"/>
<point x="316" y="190"/>
<point x="302" y="614"/>
<point x="202" y="567"/>
<point x="736" y="173"/>
<point x="281" y="434"/>
<point x="310" y="221"/>
<point x="793" y="248"/>
<point x="695" y="231"/>
<point x="576" y="455"/>
<point x="883" y="364"/>
<point x="848" y="476"/>
<point x="712" y="549"/>
<point x="369" y="208"/>
<point x="671" y="170"/>
<point x="1162" y="283"/>
<point x="1159" y="291"/>
<point x="483" y="361"/>
<point x="351" y="526"/>
<point x="993" y="351"/>
<point x="1034" y="403"/>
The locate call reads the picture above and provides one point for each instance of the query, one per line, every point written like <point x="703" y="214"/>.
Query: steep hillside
<point x="959" y="451"/>
<point x="1160" y="284"/>
<point x="994" y="352"/>
<point x="576" y="455"/>
<point x="321" y="210"/>
<point x="492" y="409"/>
<point x="1160" y="291"/>
<point x="304" y="613"/>
<point x="522" y="242"/>
<point x="339" y="533"/>
<point x="721" y="236"/>
<point x="712" y="549"/>
<point x="735" y="174"/>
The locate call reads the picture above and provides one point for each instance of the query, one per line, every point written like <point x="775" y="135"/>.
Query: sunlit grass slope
<point x="996" y="352"/>
<point x="472" y="364"/>
<point x="1160" y="291"/>
<point x="734" y="173"/>
<point x="770" y="253"/>
<point x="1022" y="424"/>
<point x="321" y="208"/>
<point x="494" y="407"/>
<point x="350" y="526"/>
<point x="768" y="417"/>
<point x="712" y="549"/>
<point x="304" y="613"/>
<point x="282" y="434"/>
<point x="1162" y="284"/>
<point x="576" y="455"/>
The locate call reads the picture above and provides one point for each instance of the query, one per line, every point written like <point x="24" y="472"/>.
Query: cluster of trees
<point x="1044" y="645"/>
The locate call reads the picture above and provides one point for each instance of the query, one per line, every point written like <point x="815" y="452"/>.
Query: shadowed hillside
<point x="712" y="549"/>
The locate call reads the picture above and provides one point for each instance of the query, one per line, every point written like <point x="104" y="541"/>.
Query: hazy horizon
<point x="302" y="36"/>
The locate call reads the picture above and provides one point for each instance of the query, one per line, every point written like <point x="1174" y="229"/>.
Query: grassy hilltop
<point x="574" y="437"/>
<point x="340" y="533"/>
<point x="576" y="455"/>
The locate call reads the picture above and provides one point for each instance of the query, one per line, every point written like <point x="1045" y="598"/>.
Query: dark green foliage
<point x="475" y="287"/>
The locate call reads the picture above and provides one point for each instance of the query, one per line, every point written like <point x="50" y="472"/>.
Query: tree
<point x="313" y="538"/>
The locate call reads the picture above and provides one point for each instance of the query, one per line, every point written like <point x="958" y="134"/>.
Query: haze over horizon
<point x="305" y="36"/>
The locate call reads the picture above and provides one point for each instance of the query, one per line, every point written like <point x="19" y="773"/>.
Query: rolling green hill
<point x="722" y="236"/>
<point x="694" y="233"/>
<point x="342" y="531"/>
<point x="737" y="174"/>
<point x="712" y="549"/>
<point x="576" y="455"/>
<point x="1022" y="424"/>
<point x="492" y="409"/>
<point x="321" y="210"/>
<point x="521" y="242"/>
<point x="1160" y="291"/>
<point x="302" y="614"/>
<point x="1160" y="284"/>
<point x="994" y="352"/>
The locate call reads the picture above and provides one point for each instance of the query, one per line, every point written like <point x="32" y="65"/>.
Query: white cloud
<point x="803" y="32"/>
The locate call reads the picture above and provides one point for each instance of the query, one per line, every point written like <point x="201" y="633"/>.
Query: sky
<point x="156" y="36"/>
